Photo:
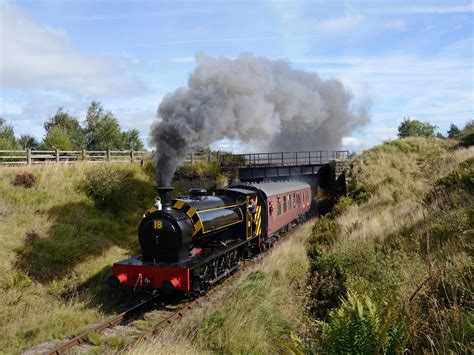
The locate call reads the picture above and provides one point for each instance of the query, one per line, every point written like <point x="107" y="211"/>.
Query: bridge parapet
<point x="319" y="157"/>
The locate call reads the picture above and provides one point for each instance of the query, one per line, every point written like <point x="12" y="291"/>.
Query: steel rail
<point x="81" y="339"/>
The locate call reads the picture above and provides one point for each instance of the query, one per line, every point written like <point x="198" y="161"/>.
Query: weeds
<point x="25" y="179"/>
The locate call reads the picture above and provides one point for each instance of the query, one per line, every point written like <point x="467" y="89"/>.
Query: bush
<point x="461" y="178"/>
<point x="107" y="185"/>
<point x="359" y="326"/>
<point x="466" y="138"/>
<point x="25" y="179"/>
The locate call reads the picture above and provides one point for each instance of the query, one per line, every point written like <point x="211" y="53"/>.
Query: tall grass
<point x="56" y="249"/>
<point x="403" y="243"/>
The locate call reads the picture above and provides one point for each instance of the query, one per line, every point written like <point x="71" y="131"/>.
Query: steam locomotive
<point x="190" y="243"/>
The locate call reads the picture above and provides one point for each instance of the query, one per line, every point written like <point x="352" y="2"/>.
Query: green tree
<point x="132" y="140"/>
<point x="70" y="125"/>
<point x="28" y="142"/>
<point x="7" y="136"/>
<point x="468" y="126"/>
<point x="57" y="138"/>
<point x="466" y="137"/>
<point x="453" y="131"/>
<point x="415" y="128"/>
<point x="102" y="129"/>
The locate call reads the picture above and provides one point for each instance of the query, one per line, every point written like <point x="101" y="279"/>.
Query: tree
<point x="70" y="125"/>
<point x="57" y="138"/>
<point x="28" y="142"/>
<point x="132" y="140"/>
<point x="466" y="137"/>
<point x="103" y="131"/>
<point x="7" y="136"/>
<point x="468" y="126"/>
<point x="415" y="128"/>
<point x="453" y="131"/>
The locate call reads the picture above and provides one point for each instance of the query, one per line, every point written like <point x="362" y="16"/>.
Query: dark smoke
<point x="253" y="100"/>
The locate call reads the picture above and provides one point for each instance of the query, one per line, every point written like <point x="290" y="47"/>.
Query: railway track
<point x="141" y="307"/>
<point x="116" y="320"/>
<point x="163" y="323"/>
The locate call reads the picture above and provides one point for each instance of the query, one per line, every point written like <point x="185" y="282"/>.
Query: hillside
<point x="398" y="250"/>
<point x="57" y="247"/>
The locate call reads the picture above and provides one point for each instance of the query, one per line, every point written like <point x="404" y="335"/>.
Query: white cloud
<point x="340" y="24"/>
<point x="424" y="9"/>
<point x="34" y="56"/>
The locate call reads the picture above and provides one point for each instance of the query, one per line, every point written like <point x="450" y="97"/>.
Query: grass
<point x="56" y="250"/>
<point x="261" y="312"/>
<point x="402" y="240"/>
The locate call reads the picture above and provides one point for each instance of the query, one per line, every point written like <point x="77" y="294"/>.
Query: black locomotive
<point x="190" y="243"/>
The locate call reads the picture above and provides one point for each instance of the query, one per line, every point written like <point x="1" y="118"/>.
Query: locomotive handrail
<point x="283" y="158"/>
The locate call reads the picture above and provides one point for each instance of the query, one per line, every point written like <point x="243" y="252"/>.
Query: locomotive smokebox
<point x="165" y="195"/>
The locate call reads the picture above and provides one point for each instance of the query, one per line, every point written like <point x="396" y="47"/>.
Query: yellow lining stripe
<point x="197" y="227"/>
<point x="178" y="204"/>
<point x="217" y="208"/>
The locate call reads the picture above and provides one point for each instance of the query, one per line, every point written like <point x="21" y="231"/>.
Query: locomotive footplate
<point x="193" y="274"/>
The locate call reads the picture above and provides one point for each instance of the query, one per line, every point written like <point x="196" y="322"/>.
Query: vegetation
<point x="101" y="131"/>
<point x="25" y="179"/>
<point x="7" y="136"/>
<point x="415" y="128"/>
<point x="390" y="266"/>
<point x="57" y="247"/>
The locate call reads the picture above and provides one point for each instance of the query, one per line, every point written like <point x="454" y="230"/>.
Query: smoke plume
<point x="253" y="100"/>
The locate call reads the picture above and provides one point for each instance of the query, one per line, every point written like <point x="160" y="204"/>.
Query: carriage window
<point x="290" y="204"/>
<point x="278" y="206"/>
<point x="294" y="200"/>
<point x="285" y="208"/>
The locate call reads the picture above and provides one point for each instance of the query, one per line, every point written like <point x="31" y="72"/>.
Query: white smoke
<point x="251" y="99"/>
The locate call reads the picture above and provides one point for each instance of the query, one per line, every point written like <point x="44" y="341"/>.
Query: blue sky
<point x="411" y="58"/>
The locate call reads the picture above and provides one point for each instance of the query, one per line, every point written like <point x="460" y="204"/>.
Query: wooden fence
<point x="32" y="157"/>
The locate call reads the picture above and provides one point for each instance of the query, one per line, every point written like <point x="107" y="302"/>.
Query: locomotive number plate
<point x="157" y="224"/>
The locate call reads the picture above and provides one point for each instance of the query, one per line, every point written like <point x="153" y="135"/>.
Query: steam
<point x="254" y="100"/>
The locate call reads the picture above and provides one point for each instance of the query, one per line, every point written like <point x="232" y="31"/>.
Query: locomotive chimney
<point x="165" y="195"/>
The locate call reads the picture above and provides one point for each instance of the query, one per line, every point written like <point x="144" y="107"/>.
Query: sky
<point x="409" y="58"/>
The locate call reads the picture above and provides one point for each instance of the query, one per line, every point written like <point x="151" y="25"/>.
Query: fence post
<point x="28" y="156"/>
<point x="57" y="155"/>
<point x="132" y="155"/>
<point x="209" y="156"/>
<point x="192" y="158"/>
<point x="108" y="155"/>
<point x="83" y="154"/>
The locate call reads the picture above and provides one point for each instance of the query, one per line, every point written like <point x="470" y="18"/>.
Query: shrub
<point x="25" y="179"/>
<point x="466" y="138"/>
<point x="149" y="167"/>
<point x="359" y="326"/>
<point x="107" y="185"/>
<point x="461" y="178"/>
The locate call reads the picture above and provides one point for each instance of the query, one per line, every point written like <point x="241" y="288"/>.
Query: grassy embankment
<point x="399" y="251"/>
<point x="56" y="250"/>
<point x="57" y="245"/>
<point x="261" y="312"/>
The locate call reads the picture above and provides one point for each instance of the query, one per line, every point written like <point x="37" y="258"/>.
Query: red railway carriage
<point x="286" y="202"/>
<point x="190" y="243"/>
